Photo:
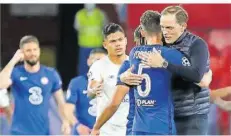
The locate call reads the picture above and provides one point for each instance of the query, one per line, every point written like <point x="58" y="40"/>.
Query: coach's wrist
<point x="164" y="64"/>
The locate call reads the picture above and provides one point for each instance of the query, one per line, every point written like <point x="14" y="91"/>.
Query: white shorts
<point x="109" y="129"/>
<point x="4" y="98"/>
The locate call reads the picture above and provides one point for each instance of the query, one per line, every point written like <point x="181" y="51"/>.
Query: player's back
<point x="31" y="93"/>
<point x="154" y="105"/>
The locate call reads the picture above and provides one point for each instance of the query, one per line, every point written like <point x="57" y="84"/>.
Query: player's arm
<point x="225" y="105"/>
<point x="121" y="91"/>
<point x="221" y="93"/>
<point x="95" y="81"/>
<point x="217" y="95"/>
<point x="59" y="97"/>
<point x="71" y="100"/>
<point x="5" y="74"/>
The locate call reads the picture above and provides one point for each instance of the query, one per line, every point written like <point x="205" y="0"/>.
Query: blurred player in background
<point x="32" y="85"/>
<point x="218" y="95"/>
<point x="154" y="104"/>
<point x="105" y="72"/>
<point x="78" y="102"/>
<point x="5" y="101"/>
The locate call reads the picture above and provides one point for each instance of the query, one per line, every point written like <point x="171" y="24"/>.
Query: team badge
<point x="44" y="80"/>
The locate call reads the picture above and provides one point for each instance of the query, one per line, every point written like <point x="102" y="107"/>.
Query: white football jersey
<point x="107" y="71"/>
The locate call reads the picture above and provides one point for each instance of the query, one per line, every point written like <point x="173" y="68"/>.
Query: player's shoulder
<point x="18" y="67"/>
<point x="79" y="79"/>
<point x="48" y="69"/>
<point x="101" y="62"/>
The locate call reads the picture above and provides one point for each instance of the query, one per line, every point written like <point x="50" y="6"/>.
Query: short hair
<point x="28" y="39"/>
<point x="137" y="33"/>
<point x="98" y="50"/>
<point x="112" y="28"/>
<point x="150" y="21"/>
<point x="180" y="13"/>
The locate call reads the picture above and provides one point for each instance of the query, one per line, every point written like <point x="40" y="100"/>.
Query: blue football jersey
<point x="85" y="107"/>
<point x="153" y="99"/>
<point x="32" y="93"/>
<point x="125" y="66"/>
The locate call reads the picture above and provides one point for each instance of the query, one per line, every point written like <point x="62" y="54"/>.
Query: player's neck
<point x="118" y="60"/>
<point x="32" y="69"/>
<point x="154" y="41"/>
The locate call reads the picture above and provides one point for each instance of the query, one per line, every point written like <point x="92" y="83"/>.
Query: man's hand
<point x="18" y="56"/>
<point x="66" y="128"/>
<point x="83" y="130"/>
<point x="153" y="59"/>
<point x="95" y="132"/>
<point x="131" y="79"/>
<point x="97" y="89"/>
<point x="206" y="80"/>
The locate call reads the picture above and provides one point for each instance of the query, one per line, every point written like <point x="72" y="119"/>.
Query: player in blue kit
<point x="139" y="40"/>
<point x="32" y="86"/>
<point x="78" y="101"/>
<point x="153" y="98"/>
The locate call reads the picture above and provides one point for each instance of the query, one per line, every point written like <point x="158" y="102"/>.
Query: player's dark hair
<point x="180" y="13"/>
<point x="150" y="21"/>
<point x="112" y="28"/>
<point x="28" y="39"/>
<point x="138" y="36"/>
<point x="98" y="50"/>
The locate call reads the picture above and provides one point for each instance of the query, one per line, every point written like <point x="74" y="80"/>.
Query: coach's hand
<point x="95" y="132"/>
<point x="83" y="130"/>
<point x="130" y="78"/>
<point x="153" y="59"/>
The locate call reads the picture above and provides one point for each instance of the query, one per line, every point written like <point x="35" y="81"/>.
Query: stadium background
<point x="53" y="25"/>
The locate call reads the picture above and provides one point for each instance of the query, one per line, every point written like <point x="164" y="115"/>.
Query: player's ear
<point x="126" y="40"/>
<point x="143" y="33"/>
<point x="105" y="44"/>
<point x="184" y="26"/>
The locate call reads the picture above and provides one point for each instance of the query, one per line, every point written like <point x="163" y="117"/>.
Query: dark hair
<point x="137" y="35"/>
<point x="28" y="39"/>
<point x="112" y="28"/>
<point x="150" y="21"/>
<point x="98" y="50"/>
<point x="180" y="13"/>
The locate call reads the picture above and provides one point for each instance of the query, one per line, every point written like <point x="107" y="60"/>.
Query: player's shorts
<point x="4" y="98"/>
<point x="109" y="129"/>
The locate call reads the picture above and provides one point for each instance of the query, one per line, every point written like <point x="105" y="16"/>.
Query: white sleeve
<point x="4" y="98"/>
<point x="94" y="72"/>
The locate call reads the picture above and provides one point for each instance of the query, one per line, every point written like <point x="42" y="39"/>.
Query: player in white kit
<point x="104" y="72"/>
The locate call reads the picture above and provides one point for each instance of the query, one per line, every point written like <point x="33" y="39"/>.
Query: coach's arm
<point x="199" y="56"/>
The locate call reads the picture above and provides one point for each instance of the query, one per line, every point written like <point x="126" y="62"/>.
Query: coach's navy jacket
<point x="190" y="99"/>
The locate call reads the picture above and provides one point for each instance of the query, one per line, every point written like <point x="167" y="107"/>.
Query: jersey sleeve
<point x="199" y="56"/>
<point x="57" y="84"/>
<point x="123" y="68"/>
<point x="94" y="72"/>
<point x="72" y="92"/>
